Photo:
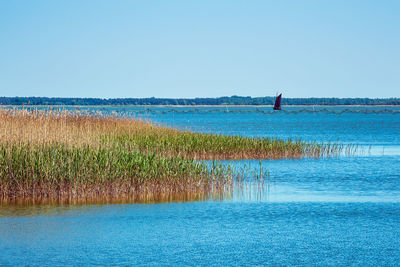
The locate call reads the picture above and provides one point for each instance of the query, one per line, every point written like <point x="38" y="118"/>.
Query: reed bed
<point x="60" y="171"/>
<point x="54" y="154"/>
<point x="218" y="147"/>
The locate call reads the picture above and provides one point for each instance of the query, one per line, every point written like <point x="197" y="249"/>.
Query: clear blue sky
<point x="187" y="48"/>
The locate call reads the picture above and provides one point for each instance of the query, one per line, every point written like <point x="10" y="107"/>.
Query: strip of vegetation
<point x="53" y="154"/>
<point x="218" y="147"/>
<point x="56" y="170"/>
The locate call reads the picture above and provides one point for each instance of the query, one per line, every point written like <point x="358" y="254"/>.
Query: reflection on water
<point x="48" y="206"/>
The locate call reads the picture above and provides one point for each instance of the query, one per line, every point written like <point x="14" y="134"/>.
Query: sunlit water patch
<point x="339" y="179"/>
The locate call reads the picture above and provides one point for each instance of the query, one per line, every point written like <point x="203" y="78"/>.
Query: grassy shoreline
<point x="62" y="154"/>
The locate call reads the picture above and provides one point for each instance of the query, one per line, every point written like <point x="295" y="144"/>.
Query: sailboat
<point x="277" y="105"/>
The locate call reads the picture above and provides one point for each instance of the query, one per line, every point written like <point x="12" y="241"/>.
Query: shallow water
<point x="342" y="210"/>
<point x="208" y="233"/>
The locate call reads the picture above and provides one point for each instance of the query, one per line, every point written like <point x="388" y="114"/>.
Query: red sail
<point x="277" y="105"/>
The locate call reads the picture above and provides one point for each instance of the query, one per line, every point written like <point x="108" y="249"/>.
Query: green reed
<point x="214" y="146"/>
<point x="57" y="170"/>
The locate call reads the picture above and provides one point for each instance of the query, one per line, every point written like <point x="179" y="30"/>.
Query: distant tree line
<point x="231" y="100"/>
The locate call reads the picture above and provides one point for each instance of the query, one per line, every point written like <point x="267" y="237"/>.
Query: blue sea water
<point x="336" y="211"/>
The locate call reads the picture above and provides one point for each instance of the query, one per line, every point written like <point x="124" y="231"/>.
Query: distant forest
<point x="232" y="100"/>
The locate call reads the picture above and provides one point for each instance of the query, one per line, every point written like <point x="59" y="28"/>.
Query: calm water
<point x="332" y="211"/>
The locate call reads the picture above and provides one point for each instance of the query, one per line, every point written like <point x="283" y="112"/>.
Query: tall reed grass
<point x="62" y="154"/>
<point x="57" y="170"/>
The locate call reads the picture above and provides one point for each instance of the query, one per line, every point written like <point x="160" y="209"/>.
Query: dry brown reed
<point x="66" y="127"/>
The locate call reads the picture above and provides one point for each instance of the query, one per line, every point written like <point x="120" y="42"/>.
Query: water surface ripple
<point x="337" y="211"/>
